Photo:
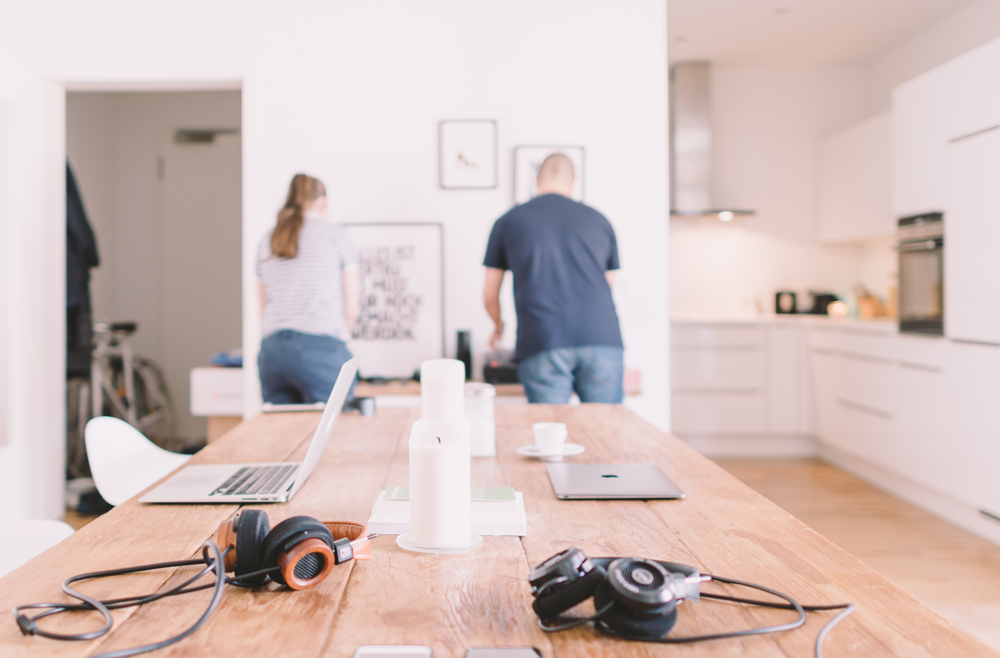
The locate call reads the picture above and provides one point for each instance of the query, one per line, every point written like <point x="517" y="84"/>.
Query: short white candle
<point x="442" y="389"/>
<point x="440" y="484"/>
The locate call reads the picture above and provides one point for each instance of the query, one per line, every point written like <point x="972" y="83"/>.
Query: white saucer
<point x="568" y="450"/>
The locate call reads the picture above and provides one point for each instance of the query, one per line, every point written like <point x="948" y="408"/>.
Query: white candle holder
<point x="442" y="389"/>
<point x="440" y="489"/>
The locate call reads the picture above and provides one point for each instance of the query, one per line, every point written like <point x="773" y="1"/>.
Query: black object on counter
<point x="500" y="368"/>
<point x="365" y="406"/>
<point x="463" y="351"/>
<point x="821" y="300"/>
<point x="784" y="302"/>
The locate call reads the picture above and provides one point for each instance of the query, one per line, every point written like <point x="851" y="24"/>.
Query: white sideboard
<point x="912" y="414"/>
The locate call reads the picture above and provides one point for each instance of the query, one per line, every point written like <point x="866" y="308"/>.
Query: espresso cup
<point x="549" y="437"/>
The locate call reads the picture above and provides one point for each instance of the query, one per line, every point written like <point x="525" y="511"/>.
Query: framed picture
<point x="527" y="161"/>
<point x="401" y="323"/>
<point x="468" y="154"/>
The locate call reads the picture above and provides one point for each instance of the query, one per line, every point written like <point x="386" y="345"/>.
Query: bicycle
<point x="126" y="386"/>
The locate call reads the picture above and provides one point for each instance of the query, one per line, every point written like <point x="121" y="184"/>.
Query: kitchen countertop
<point x="881" y="325"/>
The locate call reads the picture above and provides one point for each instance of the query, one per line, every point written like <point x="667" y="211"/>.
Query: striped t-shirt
<point x="306" y="293"/>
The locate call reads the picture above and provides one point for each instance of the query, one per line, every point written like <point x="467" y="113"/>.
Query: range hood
<point x="691" y="144"/>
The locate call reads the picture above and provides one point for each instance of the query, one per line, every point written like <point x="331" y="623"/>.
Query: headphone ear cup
<point x="303" y="548"/>
<point x="251" y="530"/>
<point x="551" y="605"/>
<point x="621" y="621"/>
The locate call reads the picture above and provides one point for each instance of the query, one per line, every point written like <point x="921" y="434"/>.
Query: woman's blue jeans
<point x="297" y="368"/>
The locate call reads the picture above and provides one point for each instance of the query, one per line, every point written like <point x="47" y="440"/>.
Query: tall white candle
<point x="440" y="483"/>
<point x="442" y="389"/>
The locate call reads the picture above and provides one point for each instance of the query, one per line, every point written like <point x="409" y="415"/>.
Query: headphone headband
<point x="350" y="540"/>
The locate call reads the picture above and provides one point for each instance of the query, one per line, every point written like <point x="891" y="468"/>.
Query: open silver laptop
<point x="611" y="482"/>
<point x="260" y="483"/>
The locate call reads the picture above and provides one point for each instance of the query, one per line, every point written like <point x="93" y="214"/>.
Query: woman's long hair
<point x="285" y="238"/>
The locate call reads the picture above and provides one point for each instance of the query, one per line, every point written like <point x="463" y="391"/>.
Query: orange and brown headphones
<point x="299" y="552"/>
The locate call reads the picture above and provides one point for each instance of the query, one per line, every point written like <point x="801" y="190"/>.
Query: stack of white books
<point x="495" y="511"/>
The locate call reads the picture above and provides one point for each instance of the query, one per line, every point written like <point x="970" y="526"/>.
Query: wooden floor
<point x="954" y="572"/>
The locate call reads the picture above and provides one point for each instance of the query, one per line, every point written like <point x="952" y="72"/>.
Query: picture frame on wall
<point x="401" y="317"/>
<point x="467" y="154"/>
<point x="527" y="161"/>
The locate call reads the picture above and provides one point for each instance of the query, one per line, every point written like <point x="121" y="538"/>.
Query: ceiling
<point x="796" y="32"/>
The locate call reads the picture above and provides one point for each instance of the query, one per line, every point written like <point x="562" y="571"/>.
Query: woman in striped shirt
<point x="309" y="287"/>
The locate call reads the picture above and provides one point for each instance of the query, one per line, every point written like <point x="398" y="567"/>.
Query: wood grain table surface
<point x="479" y="598"/>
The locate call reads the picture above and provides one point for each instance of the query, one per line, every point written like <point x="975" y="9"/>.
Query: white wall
<point x="967" y="28"/>
<point x="353" y="95"/>
<point x="767" y="123"/>
<point x="114" y="142"/>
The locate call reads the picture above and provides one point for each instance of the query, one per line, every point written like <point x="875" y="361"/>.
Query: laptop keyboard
<point x="256" y="480"/>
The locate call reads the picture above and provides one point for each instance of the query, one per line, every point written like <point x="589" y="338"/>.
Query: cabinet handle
<point x="969" y="341"/>
<point x="973" y="134"/>
<point x="865" y="357"/>
<point x="865" y="408"/>
<point x="917" y="366"/>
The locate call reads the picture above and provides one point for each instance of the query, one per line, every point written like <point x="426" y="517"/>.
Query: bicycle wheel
<point x="154" y="405"/>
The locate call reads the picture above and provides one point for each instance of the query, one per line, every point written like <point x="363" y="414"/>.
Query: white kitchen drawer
<point x="872" y="345"/>
<point x="921" y="352"/>
<point x="869" y="383"/>
<point x="685" y="334"/>
<point x="866" y="432"/>
<point x="828" y="339"/>
<point x="717" y="368"/>
<point x="729" y="414"/>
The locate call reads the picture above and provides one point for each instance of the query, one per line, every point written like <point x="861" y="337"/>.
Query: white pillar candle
<point x="442" y="389"/>
<point x="440" y="484"/>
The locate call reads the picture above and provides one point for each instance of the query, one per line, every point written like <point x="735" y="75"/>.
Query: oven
<point x="921" y="273"/>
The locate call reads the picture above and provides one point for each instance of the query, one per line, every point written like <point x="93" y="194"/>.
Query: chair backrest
<point x="123" y="461"/>
<point x="22" y="540"/>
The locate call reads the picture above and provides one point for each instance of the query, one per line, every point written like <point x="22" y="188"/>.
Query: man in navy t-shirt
<point x="563" y="256"/>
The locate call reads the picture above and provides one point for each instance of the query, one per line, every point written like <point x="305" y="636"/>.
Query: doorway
<point x="159" y="174"/>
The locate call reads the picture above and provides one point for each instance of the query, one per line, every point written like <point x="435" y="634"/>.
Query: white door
<point x="200" y="262"/>
<point x="972" y="235"/>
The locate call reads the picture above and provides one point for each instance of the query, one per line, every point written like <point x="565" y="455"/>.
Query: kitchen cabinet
<point x="956" y="99"/>
<point x="737" y="380"/>
<point x="920" y="408"/>
<point x="855" y="182"/>
<point x="972" y="234"/>
<point x="967" y="460"/>
<point x="919" y="138"/>
<point x="717" y="379"/>
<point x="975" y="101"/>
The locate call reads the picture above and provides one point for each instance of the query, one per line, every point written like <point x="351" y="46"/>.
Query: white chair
<point x="123" y="461"/>
<point x="22" y="540"/>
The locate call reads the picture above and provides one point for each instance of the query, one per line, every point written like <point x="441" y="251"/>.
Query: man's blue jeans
<point x="595" y="373"/>
<point x="300" y="368"/>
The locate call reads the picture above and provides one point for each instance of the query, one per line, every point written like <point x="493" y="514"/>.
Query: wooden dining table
<point x="481" y="598"/>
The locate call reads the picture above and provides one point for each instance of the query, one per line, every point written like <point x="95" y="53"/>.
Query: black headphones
<point x="299" y="552"/>
<point x="638" y="598"/>
<point x="633" y="596"/>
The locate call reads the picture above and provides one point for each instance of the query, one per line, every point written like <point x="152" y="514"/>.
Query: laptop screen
<point x="333" y="406"/>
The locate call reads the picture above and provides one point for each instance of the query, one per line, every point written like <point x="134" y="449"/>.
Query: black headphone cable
<point x="29" y="625"/>
<point x="846" y="609"/>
